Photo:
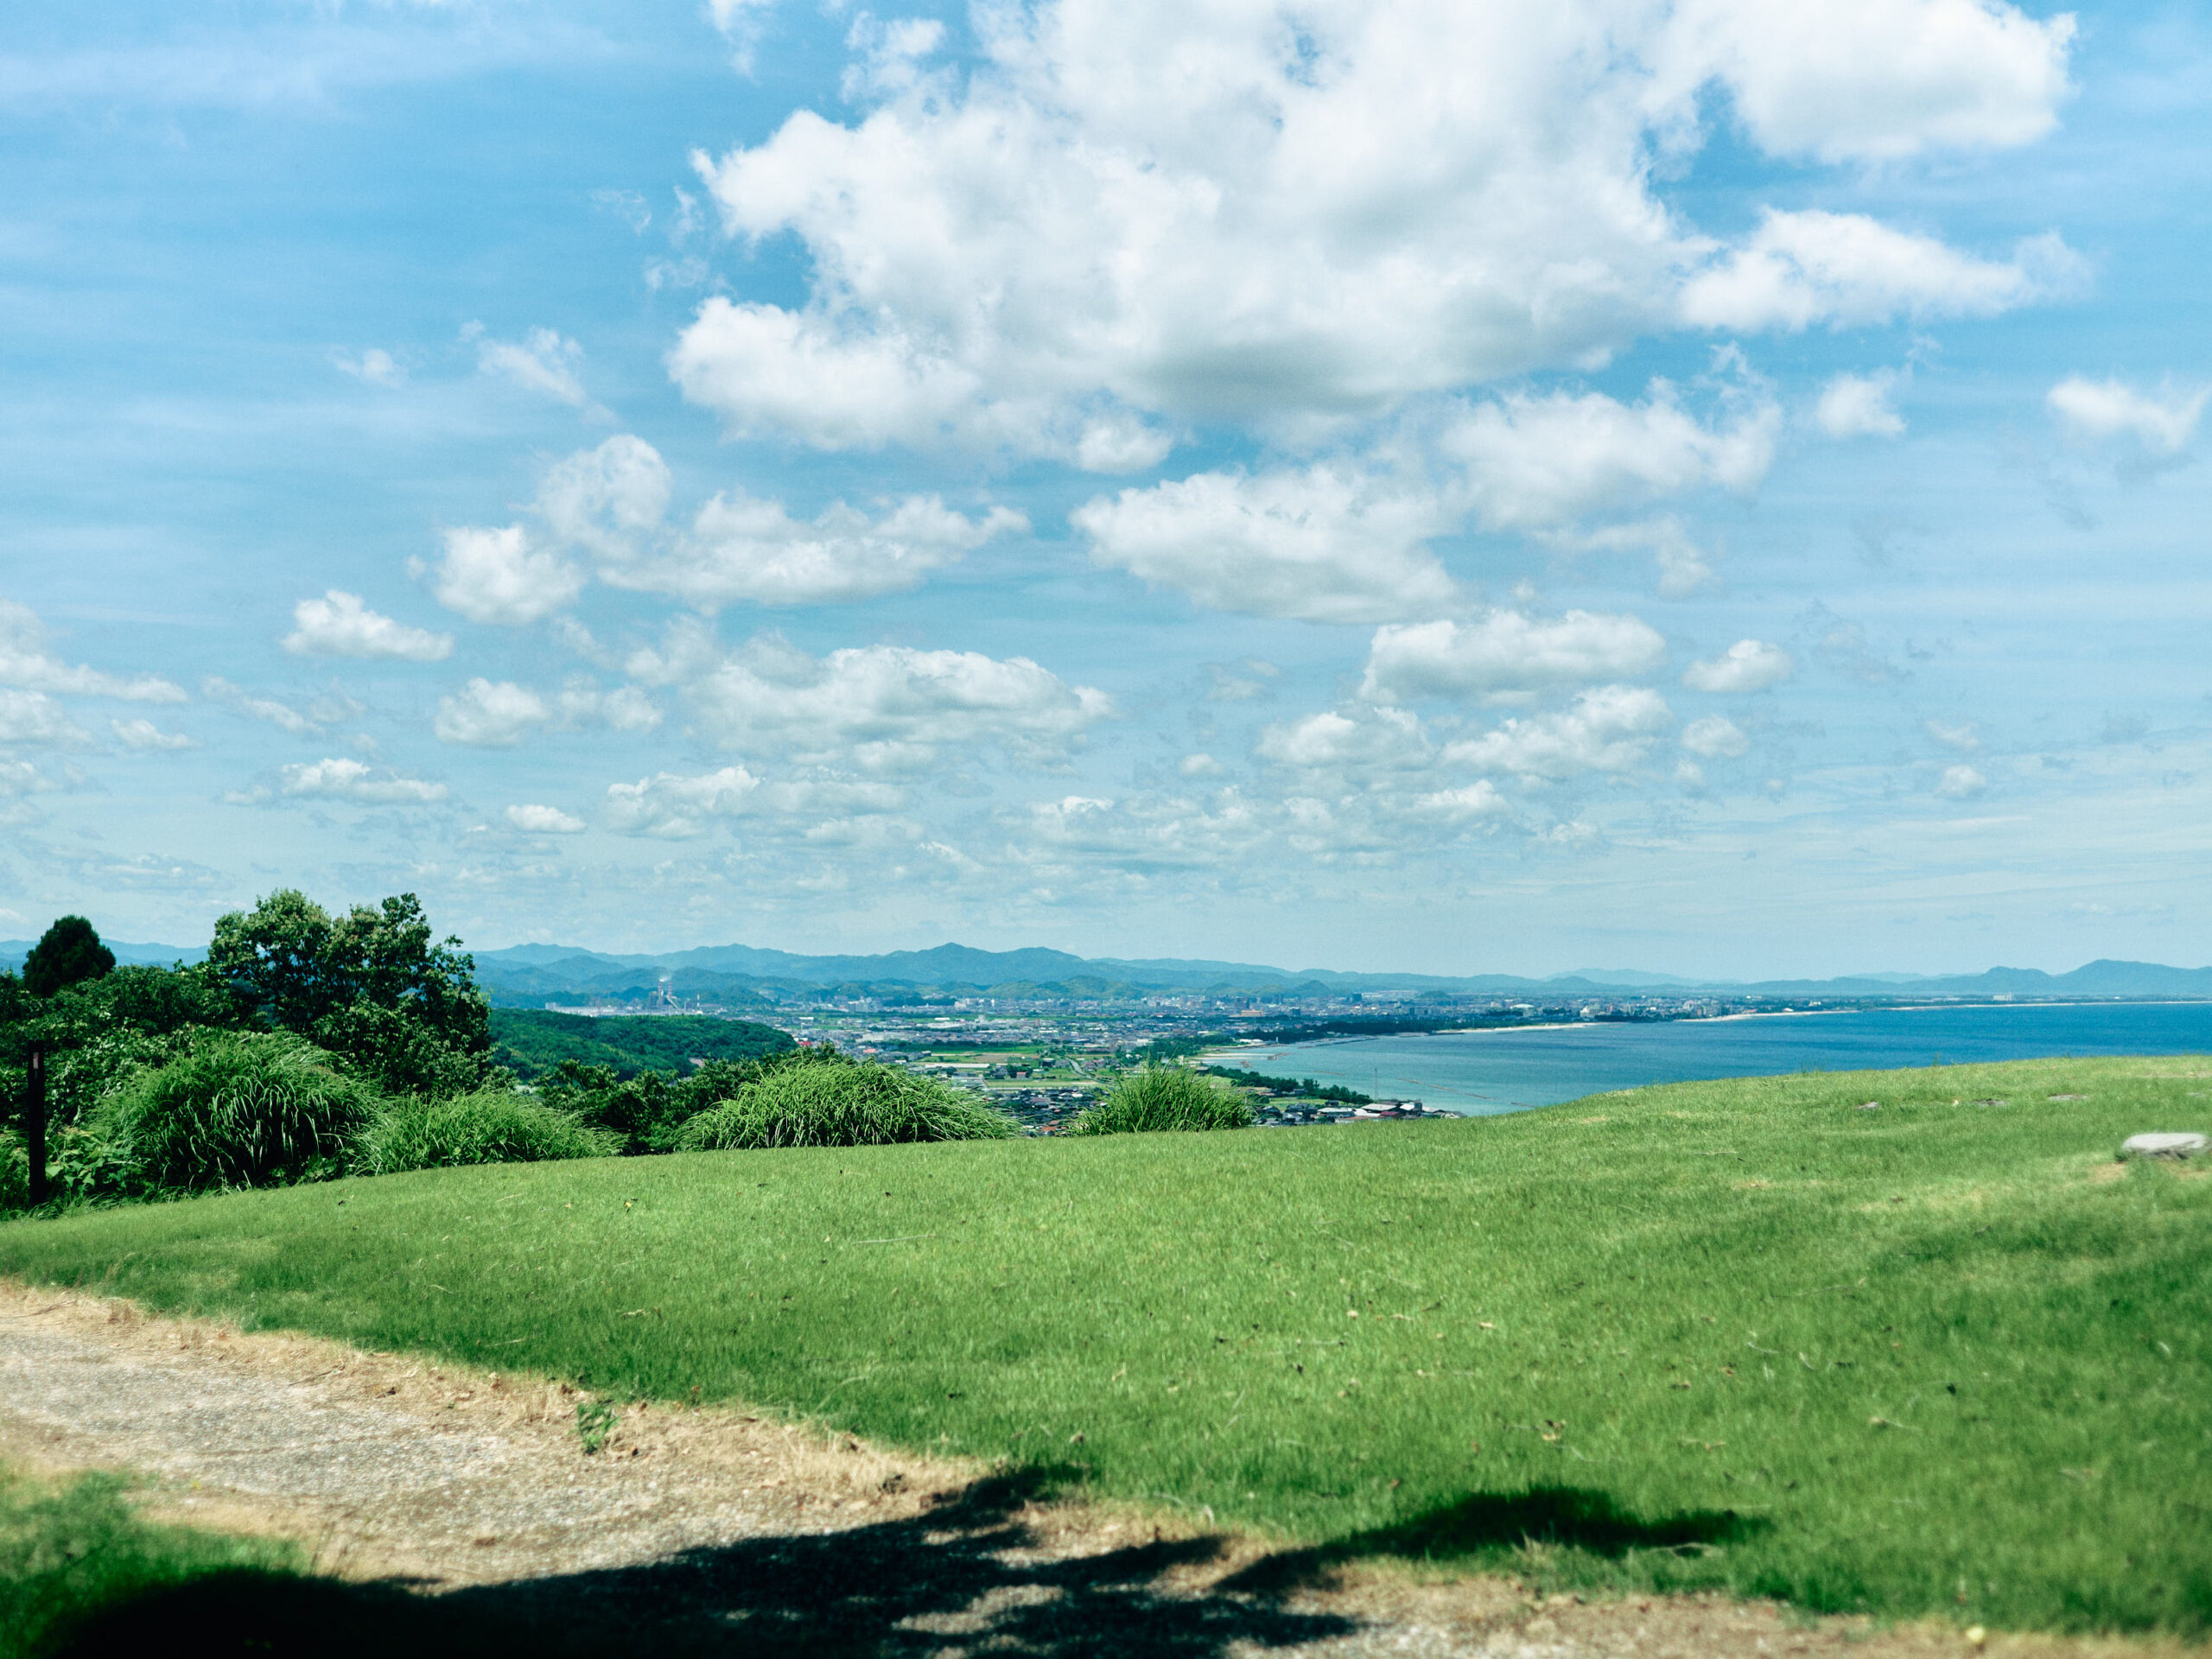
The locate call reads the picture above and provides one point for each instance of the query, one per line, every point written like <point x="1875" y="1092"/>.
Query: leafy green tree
<point x="371" y="986"/>
<point x="70" y="953"/>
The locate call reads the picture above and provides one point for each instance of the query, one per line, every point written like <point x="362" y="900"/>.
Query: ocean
<point x="1482" y="1072"/>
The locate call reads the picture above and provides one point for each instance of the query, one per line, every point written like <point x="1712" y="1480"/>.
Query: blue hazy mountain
<point x="743" y="974"/>
<point x="750" y="972"/>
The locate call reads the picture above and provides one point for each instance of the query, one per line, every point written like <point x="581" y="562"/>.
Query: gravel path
<point x="713" y="1531"/>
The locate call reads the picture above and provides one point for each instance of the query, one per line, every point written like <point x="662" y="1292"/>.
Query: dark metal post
<point x="34" y="1120"/>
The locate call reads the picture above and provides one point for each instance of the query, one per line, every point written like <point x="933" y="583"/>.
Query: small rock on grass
<point x="2164" y="1145"/>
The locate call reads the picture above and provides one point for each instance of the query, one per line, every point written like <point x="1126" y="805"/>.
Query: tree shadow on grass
<point x="1493" y="1524"/>
<point x="900" y="1590"/>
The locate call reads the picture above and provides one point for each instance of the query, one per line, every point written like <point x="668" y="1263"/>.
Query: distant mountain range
<point x="12" y="952"/>
<point x="739" y="975"/>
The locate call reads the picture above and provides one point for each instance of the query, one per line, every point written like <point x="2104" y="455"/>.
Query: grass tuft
<point x="492" y="1126"/>
<point x="839" y="1102"/>
<point x="236" y="1109"/>
<point x="1162" y="1097"/>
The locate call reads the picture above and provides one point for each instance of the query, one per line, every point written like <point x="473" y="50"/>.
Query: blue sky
<point x="1712" y="486"/>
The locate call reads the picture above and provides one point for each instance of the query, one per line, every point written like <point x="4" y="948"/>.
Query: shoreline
<point x="1217" y="1056"/>
<point x="1485" y="1080"/>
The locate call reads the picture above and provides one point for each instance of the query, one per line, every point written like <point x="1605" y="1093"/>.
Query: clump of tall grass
<point x="1166" y="1097"/>
<point x="490" y="1126"/>
<point x="839" y="1102"/>
<point x="235" y="1109"/>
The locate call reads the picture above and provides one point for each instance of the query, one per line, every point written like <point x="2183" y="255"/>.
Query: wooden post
<point x="34" y="1120"/>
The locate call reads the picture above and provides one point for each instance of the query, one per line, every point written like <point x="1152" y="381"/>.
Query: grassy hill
<point x="531" y="1041"/>
<point x="1944" y="1356"/>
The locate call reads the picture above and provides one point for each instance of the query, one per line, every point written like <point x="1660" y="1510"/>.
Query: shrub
<point x="15" y="1171"/>
<point x="1165" y="1098"/>
<point x="834" y="1102"/>
<point x="492" y="1126"/>
<point x="643" y="1113"/>
<point x="236" y="1109"/>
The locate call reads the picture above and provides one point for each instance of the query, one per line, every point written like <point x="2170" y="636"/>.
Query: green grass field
<point x="1927" y="1359"/>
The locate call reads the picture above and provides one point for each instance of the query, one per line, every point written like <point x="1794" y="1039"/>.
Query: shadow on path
<point x="900" y="1591"/>
<point x="1489" y="1524"/>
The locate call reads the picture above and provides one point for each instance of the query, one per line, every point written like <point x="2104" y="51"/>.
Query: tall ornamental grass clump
<point x="1166" y="1097"/>
<point x="235" y="1109"/>
<point x="841" y="1103"/>
<point x="490" y="1126"/>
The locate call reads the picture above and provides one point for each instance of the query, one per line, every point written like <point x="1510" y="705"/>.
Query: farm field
<point x="1945" y="1357"/>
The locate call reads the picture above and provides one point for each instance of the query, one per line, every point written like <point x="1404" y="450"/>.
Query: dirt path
<point x="713" y="1531"/>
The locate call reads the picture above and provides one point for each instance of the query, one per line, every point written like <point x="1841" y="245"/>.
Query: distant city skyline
<point x="1708" y="487"/>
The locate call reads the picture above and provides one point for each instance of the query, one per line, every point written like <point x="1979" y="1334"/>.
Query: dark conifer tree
<point x="70" y="953"/>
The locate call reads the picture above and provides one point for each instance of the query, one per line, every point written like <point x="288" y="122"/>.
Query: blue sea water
<point x="1508" y="1071"/>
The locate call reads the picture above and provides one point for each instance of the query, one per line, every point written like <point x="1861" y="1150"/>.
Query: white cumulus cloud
<point x="1354" y="741"/>
<point x="626" y="708"/>
<point x="1533" y="462"/>
<point x="1878" y="79"/>
<point x="876" y="706"/>
<point x="612" y="501"/>
<point x="1607" y="728"/>
<point x="142" y="735"/>
<point x="490" y="714"/>
<point x="606" y="499"/>
<point x="1321" y="545"/>
<point x="536" y="820"/>
<point x="340" y="625"/>
<point x="1961" y="783"/>
<point x="496" y="577"/>
<point x="542" y="361"/>
<point x="32" y="717"/>
<point x="1748" y="666"/>
<point x="2163" y="421"/>
<point x="1506" y="653"/>
<point x="741" y="547"/>
<point x="1813" y="266"/>
<point x="1715" y="737"/>
<point x="672" y="807"/>
<point x="1477" y="802"/>
<point x="1245" y="212"/>
<point x="344" y="778"/>
<point x="1857" y="405"/>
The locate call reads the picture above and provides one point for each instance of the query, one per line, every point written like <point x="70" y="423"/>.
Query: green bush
<point x="236" y="1109"/>
<point x="648" y="1111"/>
<point x="492" y="1126"/>
<point x="15" y="1172"/>
<point x="1165" y="1098"/>
<point x="834" y="1102"/>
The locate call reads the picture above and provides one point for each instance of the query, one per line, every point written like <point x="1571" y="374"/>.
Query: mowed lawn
<point x="1946" y="1356"/>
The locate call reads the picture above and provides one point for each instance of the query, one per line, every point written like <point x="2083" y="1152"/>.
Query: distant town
<point x="1045" y="1059"/>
